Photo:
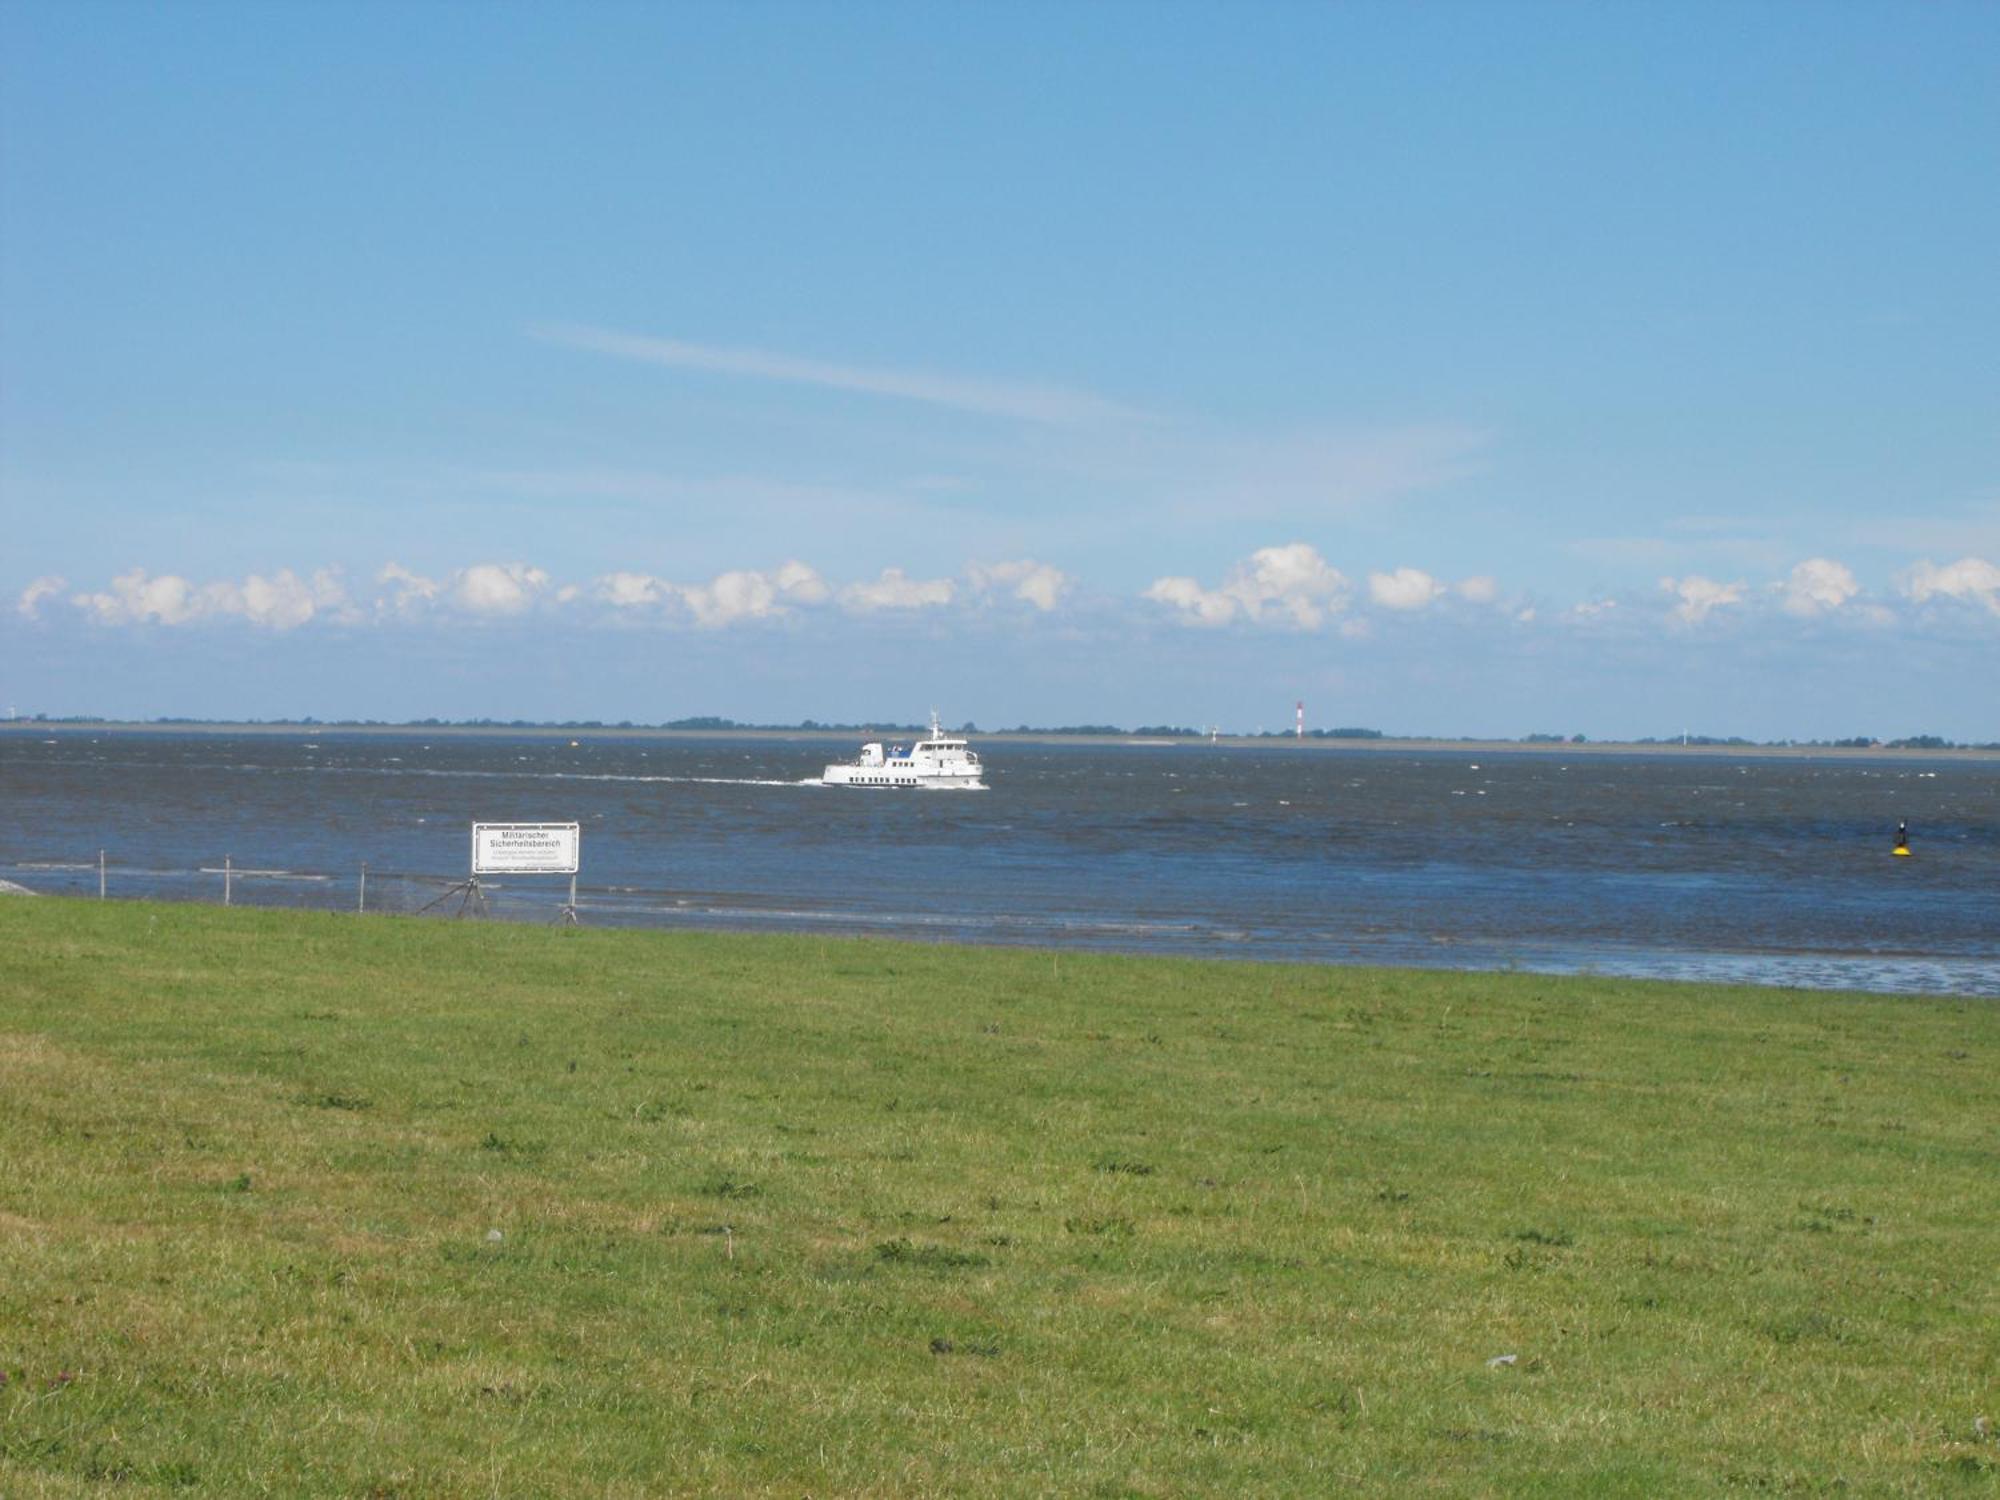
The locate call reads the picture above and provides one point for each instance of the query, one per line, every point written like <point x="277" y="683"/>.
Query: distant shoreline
<point x="71" y="729"/>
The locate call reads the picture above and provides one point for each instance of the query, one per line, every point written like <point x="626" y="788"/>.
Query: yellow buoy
<point x="1900" y="852"/>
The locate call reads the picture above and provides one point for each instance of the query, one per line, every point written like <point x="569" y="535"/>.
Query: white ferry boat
<point x="936" y="763"/>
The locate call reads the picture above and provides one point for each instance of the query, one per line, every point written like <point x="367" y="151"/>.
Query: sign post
<point x="519" y="849"/>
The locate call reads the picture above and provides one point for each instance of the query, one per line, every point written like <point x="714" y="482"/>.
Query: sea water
<point x="1763" y="869"/>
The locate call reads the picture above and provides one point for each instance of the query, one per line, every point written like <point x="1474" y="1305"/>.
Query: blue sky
<point x="1456" y="368"/>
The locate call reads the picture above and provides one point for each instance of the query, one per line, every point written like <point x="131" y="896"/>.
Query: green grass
<point x="309" y="1205"/>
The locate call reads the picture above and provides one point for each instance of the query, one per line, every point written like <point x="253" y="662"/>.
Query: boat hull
<point x="885" y="778"/>
<point x="938" y="763"/>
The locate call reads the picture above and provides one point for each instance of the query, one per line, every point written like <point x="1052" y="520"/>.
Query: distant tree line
<point x="716" y="724"/>
<point x="1851" y="742"/>
<point x="1079" y="729"/>
<point x="806" y="726"/>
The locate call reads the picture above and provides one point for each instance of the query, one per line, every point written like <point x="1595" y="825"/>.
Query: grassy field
<point x="310" y="1205"/>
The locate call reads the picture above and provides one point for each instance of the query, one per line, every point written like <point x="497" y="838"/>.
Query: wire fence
<point x="364" y="890"/>
<point x="551" y="899"/>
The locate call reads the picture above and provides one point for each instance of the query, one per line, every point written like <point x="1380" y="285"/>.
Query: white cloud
<point x="493" y="590"/>
<point x="1700" y="596"/>
<point x="736" y="595"/>
<point x="135" y="597"/>
<point x="801" y="584"/>
<point x="1289" y="586"/>
<point x="1292" y="581"/>
<point x="893" y="591"/>
<point x="29" y="605"/>
<point x="283" y="601"/>
<point x="1406" y="588"/>
<point x="1049" y="404"/>
<point x="1029" y="581"/>
<point x="1971" y="580"/>
<point x="497" y="588"/>
<point x="409" y="590"/>
<point x="741" y="594"/>
<point x="1198" y="606"/>
<point x="1819" y="585"/>
<point x="286" y="601"/>
<point x="632" y="590"/>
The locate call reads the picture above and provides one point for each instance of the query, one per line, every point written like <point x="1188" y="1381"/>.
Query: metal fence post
<point x="100" y="874"/>
<point x="361" y="900"/>
<point x="227" y="877"/>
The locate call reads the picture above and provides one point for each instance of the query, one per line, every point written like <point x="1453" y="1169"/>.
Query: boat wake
<point x="450" y="773"/>
<point x="457" y="773"/>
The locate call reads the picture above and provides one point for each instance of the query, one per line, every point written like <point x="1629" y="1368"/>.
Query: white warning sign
<point x="525" y="848"/>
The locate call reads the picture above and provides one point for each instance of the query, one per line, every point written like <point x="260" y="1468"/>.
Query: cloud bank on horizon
<point x="1289" y="587"/>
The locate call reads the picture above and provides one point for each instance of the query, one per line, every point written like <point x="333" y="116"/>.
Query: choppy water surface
<point x="1762" y="870"/>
